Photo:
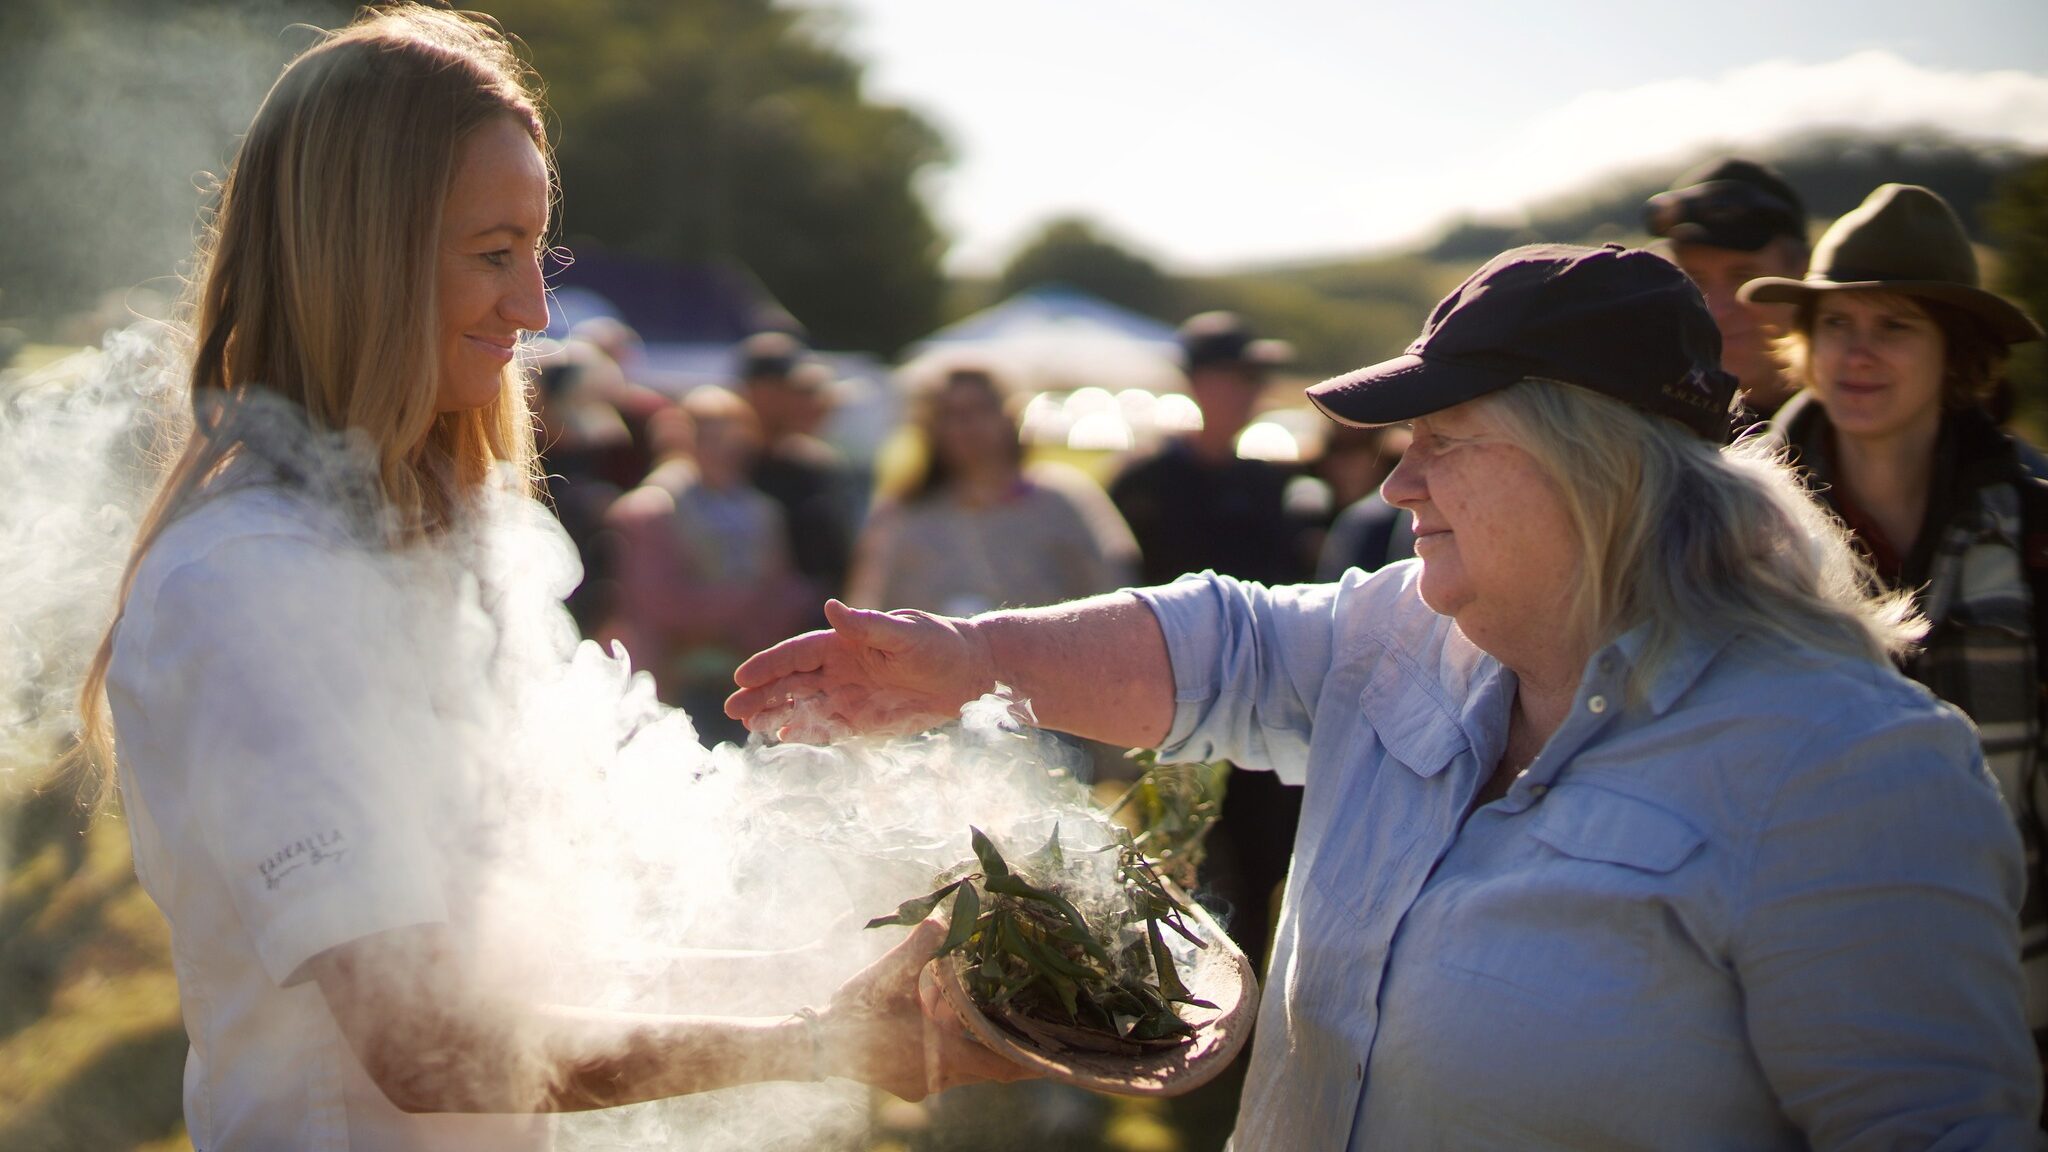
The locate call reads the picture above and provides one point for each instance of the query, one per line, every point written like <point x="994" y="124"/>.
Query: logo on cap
<point x="1695" y="389"/>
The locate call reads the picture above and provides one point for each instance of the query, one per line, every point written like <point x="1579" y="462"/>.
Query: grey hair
<point x="1682" y="537"/>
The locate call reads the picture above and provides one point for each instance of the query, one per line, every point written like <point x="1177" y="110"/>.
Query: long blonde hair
<point x="314" y="284"/>
<point x="1681" y="536"/>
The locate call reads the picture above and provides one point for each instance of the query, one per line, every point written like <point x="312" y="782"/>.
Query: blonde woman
<point x="1620" y="830"/>
<point x="370" y="266"/>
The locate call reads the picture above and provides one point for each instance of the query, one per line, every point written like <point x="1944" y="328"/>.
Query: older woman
<point x="1620" y="830"/>
<point x="1897" y="349"/>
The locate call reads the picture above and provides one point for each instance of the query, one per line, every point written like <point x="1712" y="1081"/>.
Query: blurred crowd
<point x="716" y="520"/>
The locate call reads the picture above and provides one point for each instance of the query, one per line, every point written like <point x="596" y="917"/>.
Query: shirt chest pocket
<point x="1583" y="905"/>
<point x="1373" y="821"/>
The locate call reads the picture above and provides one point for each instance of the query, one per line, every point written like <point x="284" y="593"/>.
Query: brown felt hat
<point x="1904" y="239"/>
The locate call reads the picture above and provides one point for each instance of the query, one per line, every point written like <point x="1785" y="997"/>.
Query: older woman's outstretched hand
<point x="870" y="673"/>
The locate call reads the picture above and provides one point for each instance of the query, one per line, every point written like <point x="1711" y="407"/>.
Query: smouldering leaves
<point x="912" y="912"/>
<point x="1036" y="964"/>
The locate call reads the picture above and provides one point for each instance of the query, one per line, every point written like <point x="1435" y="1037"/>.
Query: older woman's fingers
<point x="805" y="653"/>
<point x="852" y="628"/>
<point x="784" y="691"/>
<point x="807" y="707"/>
<point x="868" y="628"/>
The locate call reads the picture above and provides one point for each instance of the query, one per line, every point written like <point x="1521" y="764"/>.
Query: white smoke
<point x="77" y="440"/>
<point x="601" y="849"/>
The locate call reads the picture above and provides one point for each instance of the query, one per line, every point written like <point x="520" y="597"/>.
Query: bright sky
<point x="1217" y="132"/>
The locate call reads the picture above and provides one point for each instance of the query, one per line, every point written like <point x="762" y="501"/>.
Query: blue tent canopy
<point x="707" y="303"/>
<point x="1035" y="311"/>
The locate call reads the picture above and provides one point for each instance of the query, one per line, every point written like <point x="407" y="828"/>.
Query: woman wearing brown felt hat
<point x="1898" y="348"/>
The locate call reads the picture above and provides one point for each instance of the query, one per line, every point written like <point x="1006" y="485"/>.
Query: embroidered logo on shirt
<point x="310" y="852"/>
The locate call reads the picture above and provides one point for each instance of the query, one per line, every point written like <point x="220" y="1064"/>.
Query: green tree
<point x="2018" y="221"/>
<point x="1073" y="251"/>
<point x="735" y="130"/>
<point x="113" y="113"/>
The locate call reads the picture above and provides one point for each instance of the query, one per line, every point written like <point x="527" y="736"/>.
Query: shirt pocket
<point x="1375" y="802"/>
<point x="1587" y="823"/>
<point x="1583" y="913"/>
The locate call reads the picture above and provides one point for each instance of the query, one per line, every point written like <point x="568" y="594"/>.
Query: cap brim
<point x="2007" y="322"/>
<point x="1404" y="388"/>
<point x="1735" y="239"/>
<point x="1269" y="353"/>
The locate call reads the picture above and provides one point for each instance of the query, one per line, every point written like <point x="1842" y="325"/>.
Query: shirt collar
<point x="1682" y="668"/>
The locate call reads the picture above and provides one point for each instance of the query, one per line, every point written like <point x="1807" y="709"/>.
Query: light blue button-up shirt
<point x="1771" y="904"/>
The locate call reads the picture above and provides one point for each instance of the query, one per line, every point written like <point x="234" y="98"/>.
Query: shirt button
<point x="1597" y="705"/>
<point x="1537" y="790"/>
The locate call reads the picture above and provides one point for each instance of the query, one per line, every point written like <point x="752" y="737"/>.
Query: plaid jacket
<point x="1972" y="582"/>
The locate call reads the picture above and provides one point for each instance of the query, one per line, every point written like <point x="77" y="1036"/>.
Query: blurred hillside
<point x="737" y="133"/>
<point x="1833" y="171"/>
<point x="1344" y="312"/>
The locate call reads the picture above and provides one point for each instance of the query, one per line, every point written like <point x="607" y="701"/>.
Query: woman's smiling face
<point x="488" y="281"/>
<point x="1877" y="363"/>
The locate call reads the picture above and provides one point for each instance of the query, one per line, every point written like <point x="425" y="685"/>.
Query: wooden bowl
<point x="1221" y="975"/>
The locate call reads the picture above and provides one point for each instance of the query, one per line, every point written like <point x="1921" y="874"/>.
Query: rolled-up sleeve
<point x="311" y="748"/>
<point x="1249" y="663"/>
<point x="1877" y="942"/>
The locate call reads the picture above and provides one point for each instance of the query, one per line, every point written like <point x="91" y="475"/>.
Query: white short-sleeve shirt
<point x="280" y="772"/>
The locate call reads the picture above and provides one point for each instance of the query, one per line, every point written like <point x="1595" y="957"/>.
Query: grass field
<point x="91" y="1048"/>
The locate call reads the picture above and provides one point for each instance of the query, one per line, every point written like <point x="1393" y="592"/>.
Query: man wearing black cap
<point x="1196" y="506"/>
<point x="819" y="494"/>
<point x="1729" y="222"/>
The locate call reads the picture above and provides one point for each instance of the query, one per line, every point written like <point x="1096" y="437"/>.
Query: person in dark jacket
<point x="1197" y="506"/>
<point x="1726" y="223"/>
<point x="1897" y="348"/>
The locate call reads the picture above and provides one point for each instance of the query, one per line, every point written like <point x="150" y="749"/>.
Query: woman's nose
<point x="1858" y="345"/>
<point x="1406" y="485"/>
<point x="526" y="305"/>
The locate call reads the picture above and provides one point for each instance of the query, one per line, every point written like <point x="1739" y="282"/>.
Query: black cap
<point x="1213" y="338"/>
<point x="1733" y="203"/>
<point x="1622" y="322"/>
<point x="769" y="354"/>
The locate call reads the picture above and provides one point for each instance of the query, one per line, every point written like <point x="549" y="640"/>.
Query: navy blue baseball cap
<point x="1224" y="338"/>
<point x="1625" y="323"/>
<point x="1737" y="204"/>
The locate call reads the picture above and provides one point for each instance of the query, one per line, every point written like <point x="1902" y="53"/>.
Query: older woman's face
<point x="1496" y="543"/>
<point x="488" y="279"/>
<point x="1878" y="360"/>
